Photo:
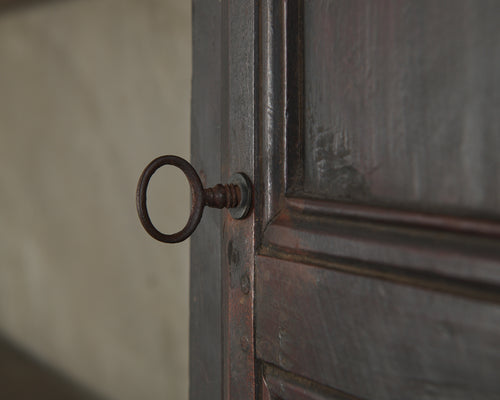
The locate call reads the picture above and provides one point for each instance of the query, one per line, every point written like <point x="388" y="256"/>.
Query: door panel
<point x="238" y="127"/>
<point x="400" y="103"/>
<point x="378" y="262"/>
<point x="370" y="266"/>
<point x="375" y="338"/>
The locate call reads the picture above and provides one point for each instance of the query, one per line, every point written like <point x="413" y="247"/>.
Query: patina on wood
<point x="401" y="103"/>
<point x="370" y="267"/>
<point x="205" y="333"/>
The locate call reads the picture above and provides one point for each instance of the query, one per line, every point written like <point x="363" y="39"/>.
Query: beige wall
<point x="90" y="92"/>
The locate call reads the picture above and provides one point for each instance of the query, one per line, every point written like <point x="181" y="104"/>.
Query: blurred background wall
<point x="90" y="92"/>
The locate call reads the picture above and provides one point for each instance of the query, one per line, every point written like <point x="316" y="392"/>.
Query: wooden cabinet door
<point x="370" y="265"/>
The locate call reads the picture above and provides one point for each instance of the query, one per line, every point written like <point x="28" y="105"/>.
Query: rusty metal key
<point x="236" y="196"/>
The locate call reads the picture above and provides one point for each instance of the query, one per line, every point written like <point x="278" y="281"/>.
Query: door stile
<point x="205" y="336"/>
<point x="238" y="149"/>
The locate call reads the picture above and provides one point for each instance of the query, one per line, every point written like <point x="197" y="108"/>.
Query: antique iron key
<point x="236" y="196"/>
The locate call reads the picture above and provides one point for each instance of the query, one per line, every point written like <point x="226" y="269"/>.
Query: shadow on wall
<point x="90" y="92"/>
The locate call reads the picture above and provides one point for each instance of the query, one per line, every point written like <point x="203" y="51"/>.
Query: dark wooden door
<point x="370" y="265"/>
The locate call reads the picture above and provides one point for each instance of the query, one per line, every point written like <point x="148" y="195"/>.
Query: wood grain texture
<point x="396" y="249"/>
<point x="369" y="302"/>
<point x="239" y="127"/>
<point x="278" y="384"/>
<point x="375" y="339"/>
<point x="402" y="104"/>
<point x="205" y="339"/>
<point x="272" y="105"/>
<point x="463" y="225"/>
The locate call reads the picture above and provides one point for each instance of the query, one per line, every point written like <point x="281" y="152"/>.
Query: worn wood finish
<point x="239" y="125"/>
<point x="396" y="248"/>
<point x="401" y="101"/>
<point x="370" y="266"/>
<point x="397" y="217"/>
<point x="365" y="294"/>
<point x="277" y="384"/>
<point x="375" y="339"/>
<point x="222" y="249"/>
<point x="205" y="338"/>
<point x="281" y="105"/>
<point x="272" y="104"/>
